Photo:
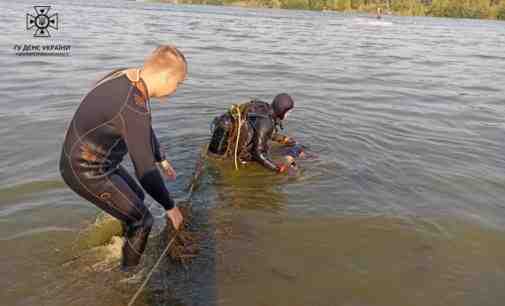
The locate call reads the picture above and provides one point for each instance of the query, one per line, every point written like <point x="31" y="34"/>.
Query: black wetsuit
<point x="260" y="129"/>
<point x="113" y="119"/>
<point x="256" y="133"/>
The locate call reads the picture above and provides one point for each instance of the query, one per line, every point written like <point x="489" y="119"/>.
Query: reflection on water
<point x="262" y="259"/>
<point x="250" y="187"/>
<point x="253" y="257"/>
<point x="366" y="261"/>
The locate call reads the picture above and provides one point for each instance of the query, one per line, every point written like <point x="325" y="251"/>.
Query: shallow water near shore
<point x="403" y="204"/>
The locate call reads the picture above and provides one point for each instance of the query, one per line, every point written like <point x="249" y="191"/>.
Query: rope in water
<point x="196" y="176"/>
<point x="235" y="111"/>
<point x="148" y="277"/>
<point x="238" y="138"/>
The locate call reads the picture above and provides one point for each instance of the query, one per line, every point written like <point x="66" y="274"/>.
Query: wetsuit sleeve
<point x="137" y="133"/>
<point x="159" y="155"/>
<point x="264" y="130"/>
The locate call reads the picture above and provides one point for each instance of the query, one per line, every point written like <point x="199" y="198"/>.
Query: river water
<point x="403" y="204"/>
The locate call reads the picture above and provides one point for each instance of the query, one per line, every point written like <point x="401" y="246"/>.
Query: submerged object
<point x="296" y="151"/>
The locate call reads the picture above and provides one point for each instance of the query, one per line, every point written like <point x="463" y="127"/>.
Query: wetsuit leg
<point x="137" y="232"/>
<point x="114" y="195"/>
<point x="134" y="186"/>
<point x="131" y="182"/>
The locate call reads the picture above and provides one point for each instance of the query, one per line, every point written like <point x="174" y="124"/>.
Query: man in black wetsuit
<point x="258" y="129"/>
<point x="115" y="118"/>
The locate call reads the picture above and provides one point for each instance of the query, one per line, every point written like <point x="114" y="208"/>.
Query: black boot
<point x="135" y="241"/>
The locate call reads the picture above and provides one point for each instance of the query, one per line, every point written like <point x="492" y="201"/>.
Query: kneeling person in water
<point x="259" y="122"/>
<point x="113" y="119"/>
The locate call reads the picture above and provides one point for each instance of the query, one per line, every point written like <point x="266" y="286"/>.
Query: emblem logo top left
<point x="42" y="21"/>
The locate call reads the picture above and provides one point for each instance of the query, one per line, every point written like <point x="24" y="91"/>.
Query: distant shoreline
<point x="478" y="9"/>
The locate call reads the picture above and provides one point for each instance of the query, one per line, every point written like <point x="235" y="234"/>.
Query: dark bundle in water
<point x="185" y="245"/>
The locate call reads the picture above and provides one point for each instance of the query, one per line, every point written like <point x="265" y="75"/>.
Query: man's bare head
<point x="164" y="69"/>
<point x="166" y="58"/>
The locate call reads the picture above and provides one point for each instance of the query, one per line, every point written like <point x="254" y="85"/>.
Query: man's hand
<point x="286" y="164"/>
<point x="281" y="168"/>
<point x="168" y="171"/>
<point x="175" y="216"/>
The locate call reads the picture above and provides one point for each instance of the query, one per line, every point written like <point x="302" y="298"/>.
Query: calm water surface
<point x="402" y="206"/>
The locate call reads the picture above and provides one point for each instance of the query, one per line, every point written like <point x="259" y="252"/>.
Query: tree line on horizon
<point x="489" y="9"/>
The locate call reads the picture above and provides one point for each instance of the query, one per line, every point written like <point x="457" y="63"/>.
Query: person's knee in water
<point x="260" y="126"/>
<point x="113" y="119"/>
